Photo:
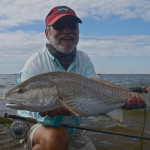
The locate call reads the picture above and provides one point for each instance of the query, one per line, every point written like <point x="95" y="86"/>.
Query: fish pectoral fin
<point x="116" y="114"/>
<point x="68" y="107"/>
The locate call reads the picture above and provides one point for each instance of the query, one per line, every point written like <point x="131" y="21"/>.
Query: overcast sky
<point x="115" y="33"/>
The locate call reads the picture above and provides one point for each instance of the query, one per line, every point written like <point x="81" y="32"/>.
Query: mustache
<point x="66" y="36"/>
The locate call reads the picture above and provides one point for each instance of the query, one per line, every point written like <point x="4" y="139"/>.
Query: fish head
<point x="34" y="94"/>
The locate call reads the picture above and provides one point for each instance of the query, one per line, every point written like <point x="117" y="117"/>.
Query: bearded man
<point x="60" y="54"/>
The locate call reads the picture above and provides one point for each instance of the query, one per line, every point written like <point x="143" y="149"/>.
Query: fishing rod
<point x="20" y="128"/>
<point x="99" y="131"/>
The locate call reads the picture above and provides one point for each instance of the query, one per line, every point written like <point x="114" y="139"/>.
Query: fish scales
<point x="86" y="96"/>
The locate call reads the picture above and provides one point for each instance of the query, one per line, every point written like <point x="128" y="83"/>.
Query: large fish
<point x="83" y="96"/>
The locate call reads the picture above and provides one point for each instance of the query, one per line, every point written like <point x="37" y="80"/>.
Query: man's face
<point x="63" y="35"/>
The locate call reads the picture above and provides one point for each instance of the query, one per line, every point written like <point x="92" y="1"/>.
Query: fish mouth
<point x="12" y="105"/>
<point x="12" y="102"/>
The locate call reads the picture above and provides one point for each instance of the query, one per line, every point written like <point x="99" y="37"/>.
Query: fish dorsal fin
<point x="116" y="114"/>
<point x="109" y="84"/>
<point x="68" y="107"/>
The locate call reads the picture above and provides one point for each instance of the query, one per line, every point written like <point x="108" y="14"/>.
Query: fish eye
<point x="20" y="91"/>
<point x="146" y="91"/>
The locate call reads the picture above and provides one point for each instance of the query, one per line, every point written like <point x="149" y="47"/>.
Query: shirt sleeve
<point x="89" y="69"/>
<point x="30" y="69"/>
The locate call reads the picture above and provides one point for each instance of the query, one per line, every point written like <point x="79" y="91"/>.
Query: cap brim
<point x="63" y="15"/>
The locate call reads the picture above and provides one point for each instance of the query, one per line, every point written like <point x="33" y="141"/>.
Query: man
<point x="60" y="54"/>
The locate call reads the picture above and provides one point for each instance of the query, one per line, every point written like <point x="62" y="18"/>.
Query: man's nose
<point x="67" y="29"/>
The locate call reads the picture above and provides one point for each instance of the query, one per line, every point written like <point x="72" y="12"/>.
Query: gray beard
<point x="64" y="59"/>
<point x="61" y="49"/>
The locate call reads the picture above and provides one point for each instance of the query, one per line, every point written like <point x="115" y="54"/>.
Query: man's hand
<point x="135" y="102"/>
<point x="58" y="111"/>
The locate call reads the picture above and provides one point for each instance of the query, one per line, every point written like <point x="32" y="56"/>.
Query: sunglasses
<point x="61" y="25"/>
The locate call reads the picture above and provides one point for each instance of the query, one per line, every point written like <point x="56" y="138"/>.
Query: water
<point x="132" y="124"/>
<point x="7" y="81"/>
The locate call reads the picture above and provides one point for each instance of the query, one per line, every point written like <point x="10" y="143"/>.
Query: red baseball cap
<point x="58" y="12"/>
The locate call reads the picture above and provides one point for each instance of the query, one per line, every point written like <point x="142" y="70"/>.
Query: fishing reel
<point x="19" y="130"/>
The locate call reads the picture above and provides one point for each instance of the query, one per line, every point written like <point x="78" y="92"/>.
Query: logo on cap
<point x="63" y="9"/>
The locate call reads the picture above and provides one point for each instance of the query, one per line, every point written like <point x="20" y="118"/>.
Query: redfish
<point x="82" y="96"/>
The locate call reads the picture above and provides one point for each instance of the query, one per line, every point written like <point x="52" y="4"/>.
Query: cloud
<point x="21" y="41"/>
<point x="132" y="45"/>
<point x="16" y="47"/>
<point x="18" y="12"/>
<point x="19" y="45"/>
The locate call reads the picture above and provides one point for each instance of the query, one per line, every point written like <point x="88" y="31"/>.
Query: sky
<point x="115" y="33"/>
